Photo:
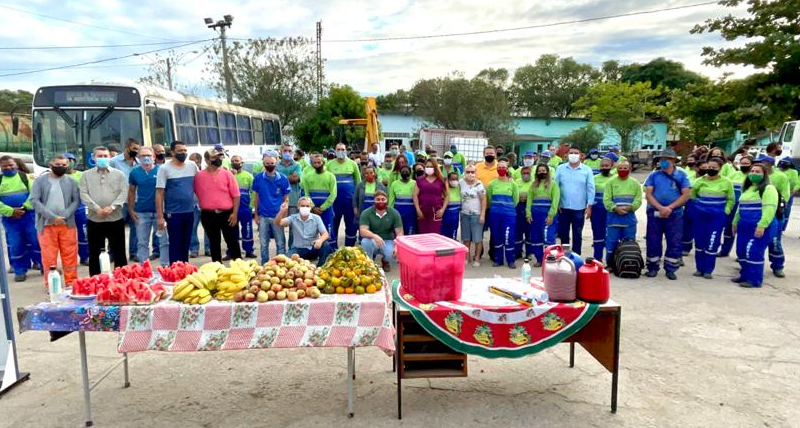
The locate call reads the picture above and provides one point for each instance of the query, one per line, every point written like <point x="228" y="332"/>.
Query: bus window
<point x="245" y="133"/>
<point x="160" y="126"/>
<point x="208" y="127"/>
<point x="187" y="125"/>
<point x="269" y="133"/>
<point x="228" y="128"/>
<point x="258" y="131"/>
<point x="789" y="132"/>
<point x="276" y="128"/>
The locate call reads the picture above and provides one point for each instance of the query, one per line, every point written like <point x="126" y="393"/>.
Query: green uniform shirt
<point x="76" y="175"/>
<point x="727" y="170"/>
<point x="594" y="164"/>
<point x="400" y="189"/>
<point x="347" y="167"/>
<point x="554" y="161"/>
<point x="620" y="192"/>
<point x="382" y="226"/>
<point x="794" y="179"/>
<point x="719" y="187"/>
<point x="303" y="163"/>
<point x="452" y="169"/>
<point x="769" y="204"/>
<point x="325" y="182"/>
<point x="524" y="187"/>
<point x="11" y="187"/>
<point x="781" y="182"/>
<point x="600" y="181"/>
<point x="550" y="192"/>
<point x="497" y="187"/>
<point x="455" y="194"/>
<point x="245" y="181"/>
<point x="459" y="158"/>
<point x="384" y="175"/>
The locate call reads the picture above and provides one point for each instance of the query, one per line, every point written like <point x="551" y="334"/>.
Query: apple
<point x="308" y="275"/>
<point x="289" y="275"/>
<point x="254" y="289"/>
<point x="308" y="282"/>
<point x="275" y="280"/>
<point x="298" y="282"/>
<point x="276" y="287"/>
<point x="301" y="294"/>
<point x="238" y="297"/>
<point x="249" y="297"/>
<point x="281" y="295"/>
<point x="266" y="286"/>
<point x="292" y="296"/>
<point x="271" y="295"/>
<point x="262" y="296"/>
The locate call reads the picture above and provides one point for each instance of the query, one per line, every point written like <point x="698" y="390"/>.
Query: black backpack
<point x="781" y="209"/>
<point x="626" y="260"/>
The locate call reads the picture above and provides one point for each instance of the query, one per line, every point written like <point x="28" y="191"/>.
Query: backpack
<point x="626" y="261"/>
<point x="779" y="212"/>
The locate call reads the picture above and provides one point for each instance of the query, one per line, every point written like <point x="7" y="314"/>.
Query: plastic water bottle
<point x="105" y="262"/>
<point x="526" y="272"/>
<point x="54" y="283"/>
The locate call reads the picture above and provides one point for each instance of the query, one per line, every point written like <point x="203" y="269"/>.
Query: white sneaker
<point x="476" y="264"/>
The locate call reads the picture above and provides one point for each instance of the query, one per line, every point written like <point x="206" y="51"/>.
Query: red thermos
<point x="593" y="282"/>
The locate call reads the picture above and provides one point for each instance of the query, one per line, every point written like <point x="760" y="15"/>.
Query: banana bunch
<point x="212" y="266"/>
<point x="196" y="288"/>
<point x="246" y="266"/>
<point x="234" y="279"/>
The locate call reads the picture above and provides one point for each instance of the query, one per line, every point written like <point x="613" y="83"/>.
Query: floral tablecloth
<point x="330" y="321"/>
<point x="482" y="323"/>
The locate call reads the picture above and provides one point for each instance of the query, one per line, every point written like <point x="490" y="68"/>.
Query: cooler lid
<point x="429" y="244"/>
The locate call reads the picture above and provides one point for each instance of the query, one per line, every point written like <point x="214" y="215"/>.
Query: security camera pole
<point x="223" y="24"/>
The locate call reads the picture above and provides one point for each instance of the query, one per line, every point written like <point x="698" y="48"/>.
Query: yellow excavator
<point x="352" y="132"/>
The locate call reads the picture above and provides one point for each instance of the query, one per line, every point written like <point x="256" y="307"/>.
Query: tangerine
<point x="349" y="290"/>
<point x="340" y="290"/>
<point x="371" y="289"/>
<point x="359" y="290"/>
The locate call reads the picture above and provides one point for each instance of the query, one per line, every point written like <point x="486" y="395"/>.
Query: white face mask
<point x="574" y="158"/>
<point x="527" y="162"/>
<point x="453" y="183"/>
<point x="429" y="171"/>
<point x="448" y="161"/>
<point x="305" y="211"/>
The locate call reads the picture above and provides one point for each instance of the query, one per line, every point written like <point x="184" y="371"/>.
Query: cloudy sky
<point x="370" y="67"/>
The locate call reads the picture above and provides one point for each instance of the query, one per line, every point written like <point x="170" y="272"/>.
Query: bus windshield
<point x="79" y="131"/>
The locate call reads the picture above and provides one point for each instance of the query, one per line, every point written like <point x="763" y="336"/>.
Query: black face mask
<point x="691" y="164"/>
<point x="58" y="170"/>
<point x="605" y="171"/>
<point x="783" y="167"/>
<point x="419" y="173"/>
<point x="161" y="156"/>
<point x="236" y="166"/>
<point x="216" y="162"/>
<point x="320" y="169"/>
<point x="364" y="163"/>
<point x="745" y="169"/>
<point x="712" y="172"/>
<point x="269" y="168"/>
<point x="405" y="175"/>
<point x="133" y="153"/>
<point x="180" y="157"/>
<point x="702" y="172"/>
<point x="541" y="175"/>
<point x="489" y="159"/>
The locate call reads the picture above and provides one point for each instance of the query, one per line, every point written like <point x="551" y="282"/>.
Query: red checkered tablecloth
<point x="330" y="321"/>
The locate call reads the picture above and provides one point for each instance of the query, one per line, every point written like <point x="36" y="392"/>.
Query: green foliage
<point x="23" y="100"/>
<point x="661" y="72"/>
<point x="273" y="75"/>
<point x="585" y="137"/>
<point x="397" y="102"/>
<point x="550" y="87"/>
<point x="319" y="130"/>
<point x="454" y="102"/>
<point x="621" y="106"/>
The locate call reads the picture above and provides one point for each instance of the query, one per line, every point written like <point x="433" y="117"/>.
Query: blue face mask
<point x="287" y="156"/>
<point x="453" y="150"/>
<point x="101" y="163"/>
<point x="341" y="154"/>
<point x="10" y="172"/>
<point x="664" y="164"/>
<point x="147" y="160"/>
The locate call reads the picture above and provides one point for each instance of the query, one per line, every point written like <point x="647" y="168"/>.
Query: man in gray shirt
<point x="309" y="235"/>
<point x="103" y="191"/>
<point x="55" y="198"/>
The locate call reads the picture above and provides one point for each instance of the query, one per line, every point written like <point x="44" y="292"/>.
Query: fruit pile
<point x="91" y="285"/>
<point x="198" y="287"/>
<point x="350" y="271"/>
<point x="176" y="271"/>
<point x="135" y="271"/>
<point x="233" y="279"/>
<point x="130" y="292"/>
<point x="282" y="278"/>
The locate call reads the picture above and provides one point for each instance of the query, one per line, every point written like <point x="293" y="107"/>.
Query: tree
<point x="163" y="71"/>
<point x="273" y="75"/>
<point x="396" y="102"/>
<point x="771" y="34"/>
<point x="497" y="77"/>
<point x="611" y="71"/>
<point x="319" y="130"/>
<point x="621" y="106"/>
<point x="454" y="102"/>
<point x="585" y="137"/>
<point x="661" y="72"/>
<point x="550" y="87"/>
<point x="22" y="100"/>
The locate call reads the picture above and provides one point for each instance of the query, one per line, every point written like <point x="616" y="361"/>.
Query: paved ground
<point x="695" y="353"/>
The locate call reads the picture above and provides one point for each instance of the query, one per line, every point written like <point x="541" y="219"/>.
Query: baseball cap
<point x="530" y="153"/>
<point x="213" y="152"/>
<point x="270" y="153"/>
<point x="69" y="156"/>
<point x="546" y="154"/>
<point x="766" y="159"/>
<point x="448" y="155"/>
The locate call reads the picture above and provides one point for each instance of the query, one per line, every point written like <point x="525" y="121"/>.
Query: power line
<point x="55" y="18"/>
<point x="100" y="60"/>
<point x="527" y="27"/>
<point x="41" y="48"/>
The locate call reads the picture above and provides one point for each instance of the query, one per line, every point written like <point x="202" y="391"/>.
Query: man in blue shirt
<point x="142" y="205"/>
<point x="270" y="190"/>
<point x="125" y="162"/>
<point x="175" y="201"/>
<point x="291" y="169"/>
<point x="576" y="182"/>
<point x="667" y="190"/>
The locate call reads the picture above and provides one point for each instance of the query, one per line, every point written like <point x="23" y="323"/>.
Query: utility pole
<point x="319" y="61"/>
<point x="222" y="25"/>
<point x="169" y="73"/>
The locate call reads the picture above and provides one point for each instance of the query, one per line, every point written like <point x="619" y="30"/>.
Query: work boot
<point x="737" y="280"/>
<point x="193" y="255"/>
<point x="778" y="273"/>
<point x="512" y="265"/>
<point x="134" y="259"/>
<point x="708" y="276"/>
<point x="697" y="273"/>
<point x="386" y="266"/>
<point x="681" y="263"/>
<point x="497" y="264"/>
<point x="250" y="256"/>
<point x="155" y="256"/>
<point x="651" y="273"/>
<point x="20" y="278"/>
<point x="671" y="276"/>
<point x="745" y="284"/>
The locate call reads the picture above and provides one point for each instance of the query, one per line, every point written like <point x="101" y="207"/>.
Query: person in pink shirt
<point x="218" y="196"/>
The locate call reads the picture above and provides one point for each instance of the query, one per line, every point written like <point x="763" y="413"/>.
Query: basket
<point x="431" y="266"/>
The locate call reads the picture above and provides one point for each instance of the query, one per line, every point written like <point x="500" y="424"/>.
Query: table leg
<point x="127" y="383"/>
<point x="394" y="323"/>
<point x="351" y="369"/>
<point x="572" y="354"/>
<point x="615" y="373"/>
<point x="397" y="363"/>
<point x="87" y="403"/>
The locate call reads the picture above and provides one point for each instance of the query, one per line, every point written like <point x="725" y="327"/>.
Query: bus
<point x="78" y="118"/>
<point x="789" y="139"/>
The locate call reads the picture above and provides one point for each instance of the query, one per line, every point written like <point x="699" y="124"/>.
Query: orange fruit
<point x="371" y="289"/>
<point x="349" y="290"/>
<point x="359" y="290"/>
<point x="340" y="290"/>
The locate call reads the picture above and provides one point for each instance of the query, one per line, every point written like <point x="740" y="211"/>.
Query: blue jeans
<point x="194" y="245"/>
<point x="179" y="227"/>
<point x="309" y="253"/>
<point x="268" y="230"/>
<point x="133" y="241"/>
<point x="616" y="234"/>
<point x="571" y="219"/>
<point x="147" y="223"/>
<point x="368" y="244"/>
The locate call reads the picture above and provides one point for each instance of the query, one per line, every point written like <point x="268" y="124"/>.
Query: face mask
<point x="500" y="154"/>
<point x="393" y="152"/>
<point x="527" y="162"/>
<point x="370" y="177"/>
<point x="664" y="164"/>
<point x="755" y="178"/>
<point x="269" y="168"/>
<point x="341" y="154"/>
<point x="133" y="153"/>
<point x="387" y="164"/>
<point x="448" y="161"/>
<point x="713" y="172"/>
<point x="405" y="175"/>
<point x="364" y="163"/>
<point x="593" y="156"/>
<point x="745" y="169"/>
<point x="453" y="150"/>
<point x="526" y="177"/>
<point x="453" y="183"/>
<point x="287" y="156"/>
<point x="605" y="171"/>
<point x="147" y="160"/>
<point x="58" y="170"/>
<point x="320" y="169"/>
<point x="380" y="206"/>
<point x="216" y="162"/>
<point x="236" y="166"/>
<point x="502" y="172"/>
<point x="304" y="211"/>
<point x="180" y="157"/>
<point x="419" y="172"/>
<point x="574" y="157"/>
<point x="783" y="167"/>
<point x="691" y="164"/>
<point x="702" y="172"/>
<point x="161" y="156"/>
<point x="489" y="159"/>
<point x="101" y="163"/>
<point x="429" y="171"/>
<point x="623" y="173"/>
<point x="541" y="175"/>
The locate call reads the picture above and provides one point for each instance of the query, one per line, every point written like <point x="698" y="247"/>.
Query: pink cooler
<point x="431" y="266"/>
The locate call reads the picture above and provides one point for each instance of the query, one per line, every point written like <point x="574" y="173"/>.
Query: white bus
<point x="789" y="139"/>
<point x="78" y="118"/>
